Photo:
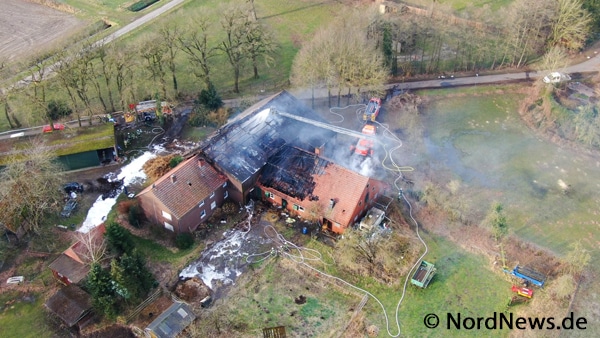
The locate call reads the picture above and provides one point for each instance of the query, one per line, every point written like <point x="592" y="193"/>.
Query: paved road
<point x="140" y="21"/>
<point x="590" y="65"/>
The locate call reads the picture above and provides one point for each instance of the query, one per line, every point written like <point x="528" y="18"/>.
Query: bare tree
<point x="170" y="34"/>
<point x="38" y="74"/>
<point x="30" y="188"/>
<point x="122" y="61"/>
<point x="577" y="258"/>
<point x="195" y="44"/>
<point x="154" y="53"/>
<point x="571" y="26"/>
<point x="94" y="246"/>
<point x="554" y="59"/>
<point x="527" y="26"/>
<point x="65" y="72"/>
<point x="234" y="22"/>
<point x="4" y="104"/>
<point x="341" y="56"/>
<point x="259" y="43"/>
<point x="108" y="71"/>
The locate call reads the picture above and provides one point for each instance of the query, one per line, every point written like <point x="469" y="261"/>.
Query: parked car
<point x="72" y="187"/>
<point x="57" y="126"/>
<point x="69" y="208"/>
<point x="556" y="77"/>
<point x="149" y="116"/>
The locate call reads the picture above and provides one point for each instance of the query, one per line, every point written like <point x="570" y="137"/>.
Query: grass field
<point x="486" y="147"/>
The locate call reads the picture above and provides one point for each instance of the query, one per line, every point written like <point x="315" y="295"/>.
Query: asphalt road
<point x="590" y="65"/>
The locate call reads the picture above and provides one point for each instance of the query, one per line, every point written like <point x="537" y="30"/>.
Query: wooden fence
<point x="142" y="305"/>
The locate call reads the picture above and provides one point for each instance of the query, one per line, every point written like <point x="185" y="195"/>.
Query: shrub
<point x="184" y="241"/>
<point x="199" y="117"/>
<point x="119" y="239"/>
<point x="209" y="98"/>
<point x="175" y="161"/>
<point x="135" y="216"/>
<point x="57" y="110"/>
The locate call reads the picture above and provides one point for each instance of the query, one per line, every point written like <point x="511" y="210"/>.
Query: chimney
<point x="331" y="203"/>
<point x="319" y="150"/>
<point x="173" y="178"/>
<point x="201" y="162"/>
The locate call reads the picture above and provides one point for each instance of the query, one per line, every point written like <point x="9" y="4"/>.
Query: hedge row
<point x="138" y="6"/>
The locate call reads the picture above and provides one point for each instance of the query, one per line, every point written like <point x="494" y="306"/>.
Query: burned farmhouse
<point x="280" y="151"/>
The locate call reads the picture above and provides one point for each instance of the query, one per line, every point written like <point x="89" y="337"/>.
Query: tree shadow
<point x="297" y="9"/>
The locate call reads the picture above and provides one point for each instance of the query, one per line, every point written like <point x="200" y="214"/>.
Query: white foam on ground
<point x="130" y="173"/>
<point x="227" y="250"/>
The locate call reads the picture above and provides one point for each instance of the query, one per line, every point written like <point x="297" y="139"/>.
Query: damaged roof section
<point x="243" y="146"/>
<point x="291" y="170"/>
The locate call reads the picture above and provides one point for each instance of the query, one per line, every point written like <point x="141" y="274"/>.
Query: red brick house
<point x="315" y="188"/>
<point x="72" y="265"/>
<point x="185" y="197"/>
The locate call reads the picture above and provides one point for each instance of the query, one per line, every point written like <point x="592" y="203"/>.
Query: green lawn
<point x="463" y="5"/>
<point x="26" y="317"/>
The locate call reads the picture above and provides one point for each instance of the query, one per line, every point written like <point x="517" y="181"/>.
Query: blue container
<point x="305" y="230"/>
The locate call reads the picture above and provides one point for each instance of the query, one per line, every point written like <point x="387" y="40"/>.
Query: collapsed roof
<point x="243" y="146"/>
<point x="291" y="170"/>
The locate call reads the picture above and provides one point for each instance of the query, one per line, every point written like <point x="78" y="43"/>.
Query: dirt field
<point x="27" y="28"/>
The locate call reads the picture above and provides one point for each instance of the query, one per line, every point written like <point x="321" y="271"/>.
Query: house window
<point x="226" y="194"/>
<point x="166" y="215"/>
<point x="213" y="205"/>
<point x="225" y="185"/>
<point x="203" y="214"/>
<point x="169" y="226"/>
<point x="201" y="204"/>
<point x="212" y="195"/>
<point x="297" y="207"/>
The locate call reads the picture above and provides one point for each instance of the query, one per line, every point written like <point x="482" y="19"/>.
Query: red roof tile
<point x="182" y="188"/>
<point x="344" y="186"/>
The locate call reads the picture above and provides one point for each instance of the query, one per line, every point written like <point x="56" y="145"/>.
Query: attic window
<point x="189" y="183"/>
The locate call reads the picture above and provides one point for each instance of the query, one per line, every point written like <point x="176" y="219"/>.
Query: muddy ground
<point x="27" y="28"/>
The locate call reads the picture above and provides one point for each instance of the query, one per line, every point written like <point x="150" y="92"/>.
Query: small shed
<point x="171" y="322"/>
<point x="72" y="305"/>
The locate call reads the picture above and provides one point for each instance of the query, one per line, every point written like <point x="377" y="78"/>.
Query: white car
<point x="556" y="77"/>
